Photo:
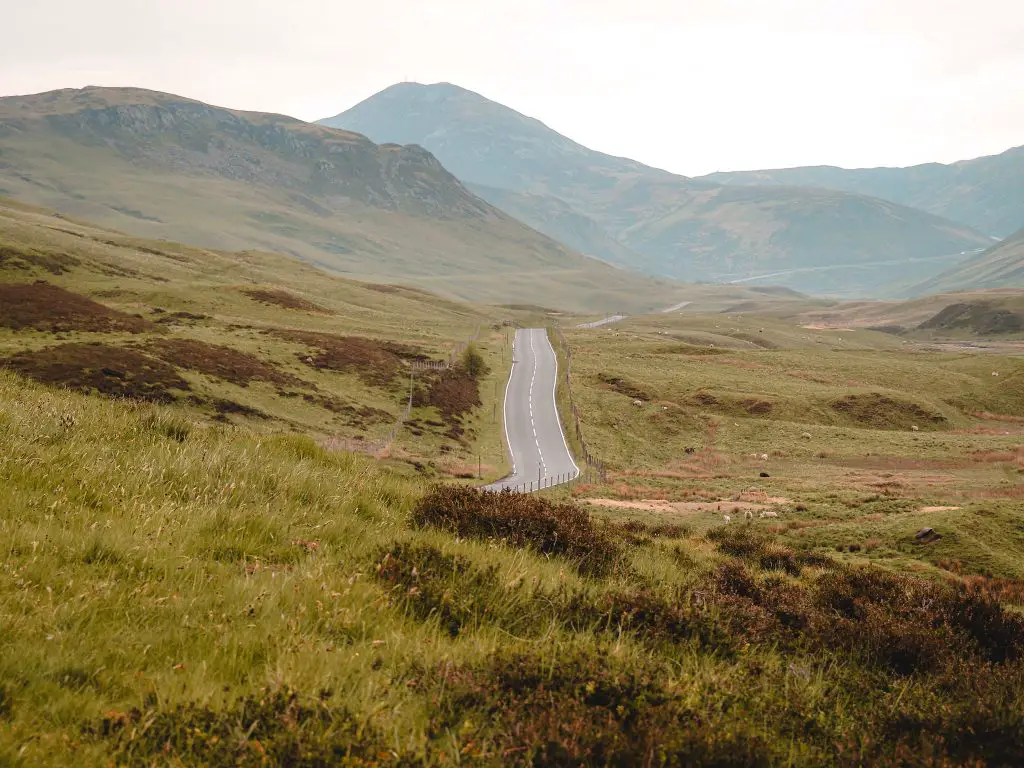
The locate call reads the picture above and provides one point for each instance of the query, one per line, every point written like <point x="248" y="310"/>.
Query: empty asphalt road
<point x="540" y="456"/>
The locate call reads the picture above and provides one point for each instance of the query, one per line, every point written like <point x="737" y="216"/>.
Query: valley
<point x="321" y="451"/>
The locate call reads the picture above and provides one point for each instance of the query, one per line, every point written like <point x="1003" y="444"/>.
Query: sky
<point x="692" y="86"/>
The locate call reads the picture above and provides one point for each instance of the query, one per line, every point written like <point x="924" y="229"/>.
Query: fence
<point x="594" y="464"/>
<point x="585" y="476"/>
<point x="378" y="446"/>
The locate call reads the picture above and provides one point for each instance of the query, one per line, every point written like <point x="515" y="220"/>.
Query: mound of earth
<point x="977" y="317"/>
<point x="279" y="298"/>
<point x="96" y="367"/>
<point x="45" y="307"/>
<point x="624" y="387"/>
<point x="219" y="362"/>
<point x="376" y="362"/>
<point x="880" y="412"/>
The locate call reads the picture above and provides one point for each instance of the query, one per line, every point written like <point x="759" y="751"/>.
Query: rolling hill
<point x="1001" y="266"/>
<point x="986" y="193"/>
<point x="652" y="220"/>
<point x="163" y="166"/>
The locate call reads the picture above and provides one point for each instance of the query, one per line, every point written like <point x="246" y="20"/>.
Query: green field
<point x="194" y="569"/>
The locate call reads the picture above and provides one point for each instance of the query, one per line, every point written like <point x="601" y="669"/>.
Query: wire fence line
<point x="595" y="466"/>
<point x="378" y="446"/>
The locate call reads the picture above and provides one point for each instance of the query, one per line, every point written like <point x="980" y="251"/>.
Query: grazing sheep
<point x="914" y="428"/>
<point x="749" y="515"/>
<point x="995" y="373"/>
<point x="638" y="403"/>
<point x="763" y="457"/>
<point x="727" y="518"/>
<point x="768" y="513"/>
<point x="806" y="436"/>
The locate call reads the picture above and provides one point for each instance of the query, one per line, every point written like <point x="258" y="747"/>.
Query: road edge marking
<point x="554" y="402"/>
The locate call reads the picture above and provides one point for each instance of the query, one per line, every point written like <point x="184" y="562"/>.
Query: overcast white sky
<point x="693" y="86"/>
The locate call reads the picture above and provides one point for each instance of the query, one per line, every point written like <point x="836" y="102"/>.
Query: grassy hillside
<point x="986" y="193"/>
<point x="163" y="166"/>
<point x="1001" y="266"/>
<point x="658" y="222"/>
<point x="181" y="594"/>
<point x="251" y="339"/>
<point x="863" y="438"/>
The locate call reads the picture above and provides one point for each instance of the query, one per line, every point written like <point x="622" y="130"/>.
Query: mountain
<point x="986" y="193"/>
<point x="163" y="166"/>
<point x="655" y="221"/>
<point x="1001" y="266"/>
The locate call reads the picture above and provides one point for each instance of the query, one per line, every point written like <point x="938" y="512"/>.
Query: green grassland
<point x="194" y="571"/>
<point x="251" y="339"/>
<point x="180" y="594"/>
<point x="865" y="438"/>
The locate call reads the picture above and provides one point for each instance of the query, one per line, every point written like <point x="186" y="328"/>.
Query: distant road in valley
<point x="540" y="454"/>
<point x="830" y="267"/>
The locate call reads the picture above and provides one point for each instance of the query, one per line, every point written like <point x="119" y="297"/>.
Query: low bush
<point x="520" y="520"/>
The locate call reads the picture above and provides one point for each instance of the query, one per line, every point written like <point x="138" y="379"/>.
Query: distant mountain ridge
<point x="652" y="220"/>
<point x="986" y="193"/>
<point x="164" y="166"/>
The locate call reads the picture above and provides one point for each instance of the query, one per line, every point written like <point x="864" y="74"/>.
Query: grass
<point x="180" y="592"/>
<point x="861" y="438"/>
<point x="251" y="339"/>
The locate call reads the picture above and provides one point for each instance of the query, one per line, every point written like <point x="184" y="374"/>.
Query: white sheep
<point x="763" y="457"/>
<point x="638" y="403"/>
<point x="749" y="515"/>
<point x="995" y="373"/>
<point x="806" y="436"/>
<point x="727" y="518"/>
<point x="914" y="428"/>
<point x="768" y="513"/>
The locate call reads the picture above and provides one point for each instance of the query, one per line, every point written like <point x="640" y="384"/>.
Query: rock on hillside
<point x="652" y="220"/>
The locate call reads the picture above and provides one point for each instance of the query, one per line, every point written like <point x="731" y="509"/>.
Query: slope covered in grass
<point x="250" y="339"/>
<point x="175" y="593"/>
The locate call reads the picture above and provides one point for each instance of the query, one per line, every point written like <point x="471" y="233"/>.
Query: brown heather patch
<point x="95" y="367"/>
<point x="280" y="298"/>
<point x="453" y="392"/>
<point x="220" y="362"/>
<point x="624" y="387"/>
<point x="44" y="307"/>
<point x="520" y="520"/>
<point x="376" y="362"/>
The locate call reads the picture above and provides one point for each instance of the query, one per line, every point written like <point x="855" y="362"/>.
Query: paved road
<point x="606" y="321"/>
<point x="540" y="456"/>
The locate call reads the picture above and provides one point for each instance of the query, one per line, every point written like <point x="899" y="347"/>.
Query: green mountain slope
<point x="1001" y="266"/>
<point x="163" y="166"/>
<point x="986" y="193"/>
<point x="668" y="224"/>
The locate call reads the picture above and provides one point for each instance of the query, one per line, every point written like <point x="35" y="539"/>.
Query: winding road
<point x="540" y="454"/>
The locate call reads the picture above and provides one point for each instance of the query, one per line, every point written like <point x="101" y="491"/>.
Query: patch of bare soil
<point x="45" y="307"/>
<point x="376" y="362"/>
<point x="938" y="509"/>
<point x="108" y="370"/>
<point x="280" y="298"/>
<point x="220" y="362"/>
<point x="880" y="412"/>
<point x="676" y="507"/>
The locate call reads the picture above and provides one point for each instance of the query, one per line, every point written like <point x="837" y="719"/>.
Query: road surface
<point x="606" y="321"/>
<point x="540" y="455"/>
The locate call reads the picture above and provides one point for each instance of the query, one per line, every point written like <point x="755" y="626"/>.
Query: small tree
<point x="472" y="363"/>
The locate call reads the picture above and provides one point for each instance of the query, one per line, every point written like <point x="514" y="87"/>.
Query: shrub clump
<point x="274" y="728"/>
<point x="520" y="520"/>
